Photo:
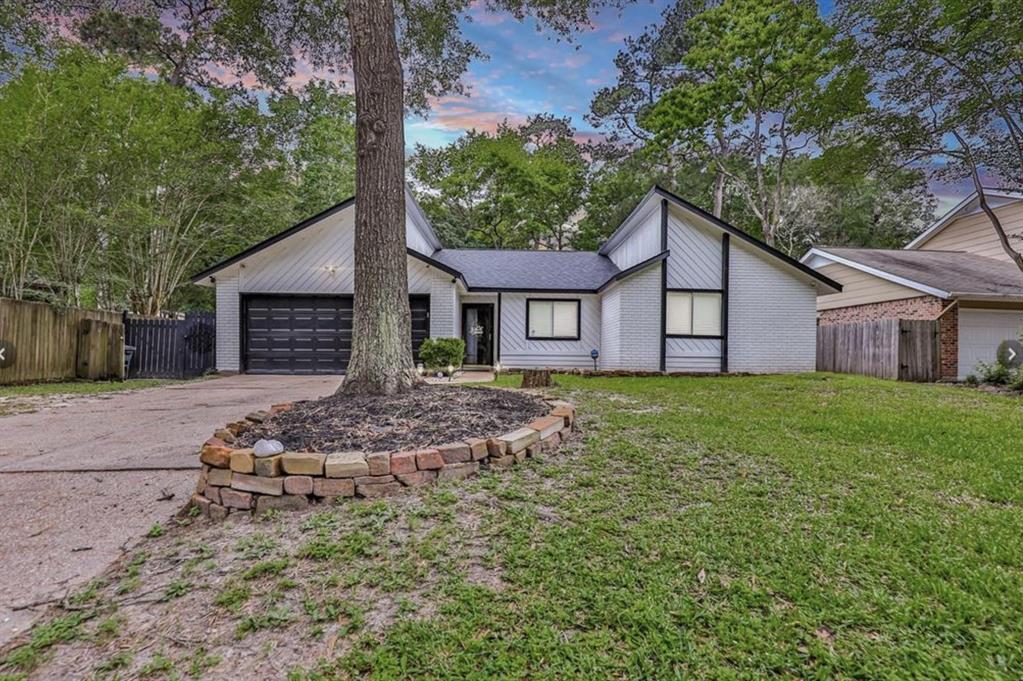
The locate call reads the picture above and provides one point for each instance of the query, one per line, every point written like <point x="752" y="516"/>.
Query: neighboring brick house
<point x="956" y="271"/>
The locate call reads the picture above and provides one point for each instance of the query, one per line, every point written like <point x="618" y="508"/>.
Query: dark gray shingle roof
<point x="958" y="272"/>
<point x="529" y="270"/>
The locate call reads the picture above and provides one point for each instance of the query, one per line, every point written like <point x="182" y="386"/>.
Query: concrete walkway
<point x="80" y="482"/>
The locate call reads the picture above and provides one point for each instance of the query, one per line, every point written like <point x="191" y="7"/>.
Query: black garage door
<point x="309" y="334"/>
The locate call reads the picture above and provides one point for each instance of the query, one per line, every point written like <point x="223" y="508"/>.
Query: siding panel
<point x="517" y="352"/>
<point x="695" y="260"/>
<point x="860" y="288"/>
<point x="644" y="241"/>
<point x="973" y="233"/>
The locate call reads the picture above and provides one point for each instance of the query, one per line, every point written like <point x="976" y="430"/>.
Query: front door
<point x="478" y="333"/>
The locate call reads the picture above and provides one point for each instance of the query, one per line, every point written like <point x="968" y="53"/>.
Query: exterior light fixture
<point x="451" y="371"/>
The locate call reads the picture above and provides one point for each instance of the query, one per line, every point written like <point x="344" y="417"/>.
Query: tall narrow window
<point x="552" y="319"/>
<point x="694" y="313"/>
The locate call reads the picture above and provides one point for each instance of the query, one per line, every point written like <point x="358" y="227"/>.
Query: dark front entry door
<point x="478" y="333"/>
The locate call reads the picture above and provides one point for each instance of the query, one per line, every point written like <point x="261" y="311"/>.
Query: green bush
<point x="1015" y="381"/>
<point x="994" y="373"/>
<point x="438" y="353"/>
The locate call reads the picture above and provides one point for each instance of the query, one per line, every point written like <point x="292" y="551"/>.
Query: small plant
<point x="256" y="546"/>
<point x="202" y="661"/>
<point x="233" y="596"/>
<point x="176" y="589"/>
<point x="159" y="665"/>
<point x="121" y="660"/>
<point x="1015" y="381"/>
<point x="994" y="373"/>
<point x="156" y="531"/>
<point x="270" y="619"/>
<point x="267" y="567"/>
<point x="440" y="353"/>
<point x="972" y="380"/>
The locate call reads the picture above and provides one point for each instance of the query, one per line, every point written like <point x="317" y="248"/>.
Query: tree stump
<point x="536" y="378"/>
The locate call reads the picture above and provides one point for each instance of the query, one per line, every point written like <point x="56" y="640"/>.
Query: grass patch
<point x="27" y="657"/>
<point x="81" y="387"/>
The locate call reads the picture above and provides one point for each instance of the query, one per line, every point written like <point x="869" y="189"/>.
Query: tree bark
<point x="381" y="360"/>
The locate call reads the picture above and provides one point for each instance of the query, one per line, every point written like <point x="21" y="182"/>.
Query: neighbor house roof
<point x="946" y="274"/>
<point x="995" y="196"/>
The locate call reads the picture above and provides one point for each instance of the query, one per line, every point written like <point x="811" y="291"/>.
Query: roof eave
<point x="881" y="274"/>
<point x="629" y="271"/>
<point x="748" y="238"/>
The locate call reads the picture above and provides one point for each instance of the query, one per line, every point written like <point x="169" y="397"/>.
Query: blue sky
<point x="530" y="72"/>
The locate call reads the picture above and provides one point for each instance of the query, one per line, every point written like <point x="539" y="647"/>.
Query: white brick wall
<point x="228" y="321"/>
<point x="636" y="301"/>
<point x="772" y="317"/>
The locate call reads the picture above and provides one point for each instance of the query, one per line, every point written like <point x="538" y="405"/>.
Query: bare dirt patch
<point x="429" y="415"/>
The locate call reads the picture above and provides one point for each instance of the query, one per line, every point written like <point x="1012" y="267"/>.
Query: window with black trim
<point x="694" y="314"/>
<point x="548" y="319"/>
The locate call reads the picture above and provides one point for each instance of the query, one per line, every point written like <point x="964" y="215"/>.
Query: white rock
<point x="264" y="448"/>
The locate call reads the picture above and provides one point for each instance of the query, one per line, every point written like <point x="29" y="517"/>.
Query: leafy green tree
<point x="948" y="90"/>
<point x="516" y="188"/>
<point x="773" y="86"/>
<point x="400" y="54"/>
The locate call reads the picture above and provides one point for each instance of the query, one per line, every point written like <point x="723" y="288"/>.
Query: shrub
<point x="994" y="373"/>
<point x="1015" y="381"/>
<point x="438" y="353"/>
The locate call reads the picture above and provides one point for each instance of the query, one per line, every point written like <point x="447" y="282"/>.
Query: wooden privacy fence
<point x="898" y="349"/>
<point x="46" y="343"/>
<point x="171" y="348"/>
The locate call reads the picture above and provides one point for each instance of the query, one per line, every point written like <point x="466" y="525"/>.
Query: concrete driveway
<point x="81" y="482"/>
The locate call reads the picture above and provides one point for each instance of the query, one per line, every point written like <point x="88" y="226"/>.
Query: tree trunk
<point x="382" y="329"/>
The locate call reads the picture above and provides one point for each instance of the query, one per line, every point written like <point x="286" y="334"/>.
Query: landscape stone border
<point x="234" y="480"/>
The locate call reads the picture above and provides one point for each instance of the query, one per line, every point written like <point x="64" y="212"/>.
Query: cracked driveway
<point x="81" y="481"/>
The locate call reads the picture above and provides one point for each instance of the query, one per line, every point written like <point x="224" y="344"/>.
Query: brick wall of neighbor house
<point x="948" y="334"/>
<point x="923" y="307"/>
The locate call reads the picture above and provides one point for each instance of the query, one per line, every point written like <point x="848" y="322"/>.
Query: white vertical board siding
<point x="228" y="322"/>
<point x="772" y="315"/>
<point x="519" y="353"/>
<point x="636" y="335"/>
<point x="643" y="242"/>
<point x="318" y="260"/>
<point x="695" y="260"/>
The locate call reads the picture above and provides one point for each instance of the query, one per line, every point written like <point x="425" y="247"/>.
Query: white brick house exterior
<point x="673" y="290"/>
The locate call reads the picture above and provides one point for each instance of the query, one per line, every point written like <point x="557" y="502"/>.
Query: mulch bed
<point x="429" y="415"/>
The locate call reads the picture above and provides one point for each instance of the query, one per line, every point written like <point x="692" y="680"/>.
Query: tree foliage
<point x="120" y="186"/>
<point x="948" y="83"/>
<point x="519" y="187"/>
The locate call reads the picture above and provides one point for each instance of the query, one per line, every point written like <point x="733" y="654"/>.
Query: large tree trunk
<point x="381" y="334"/>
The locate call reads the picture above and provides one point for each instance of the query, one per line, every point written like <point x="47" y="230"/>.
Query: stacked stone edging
<point x="234" y="480"/>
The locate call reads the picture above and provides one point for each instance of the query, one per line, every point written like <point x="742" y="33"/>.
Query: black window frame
<point x="721" y="302"/>
<point x="578" y="318"/>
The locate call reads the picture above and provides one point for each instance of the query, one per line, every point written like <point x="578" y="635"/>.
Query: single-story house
<point x="955" y="271"/>
<point x="674" y="289"/>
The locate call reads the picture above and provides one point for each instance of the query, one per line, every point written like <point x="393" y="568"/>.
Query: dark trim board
<point x="748" y="238"/>
<point x="438" y="264"/>
<point x="726" y="242"/>
<point x="497" y="332"/>
<point x="578" y="319"/>
<point x="629" y="271"/>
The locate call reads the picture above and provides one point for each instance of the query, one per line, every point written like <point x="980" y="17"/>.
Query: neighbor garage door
<point x="980" y="333"/>
<point x="286" y="334"/>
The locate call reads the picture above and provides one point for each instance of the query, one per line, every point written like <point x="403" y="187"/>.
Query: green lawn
<point x="812" y="526"/>
<point x="79" y="387"/>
